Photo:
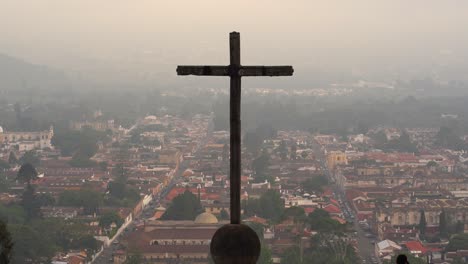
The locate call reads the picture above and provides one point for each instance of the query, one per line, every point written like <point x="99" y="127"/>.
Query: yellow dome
<point x="206" y="218"/>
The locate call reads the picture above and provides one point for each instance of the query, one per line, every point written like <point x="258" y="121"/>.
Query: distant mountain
<point x="18" y="76"/>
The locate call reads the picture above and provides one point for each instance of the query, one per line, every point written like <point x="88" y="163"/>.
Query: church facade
<point x="172" y="241"/>
<point x="26" y="141"/>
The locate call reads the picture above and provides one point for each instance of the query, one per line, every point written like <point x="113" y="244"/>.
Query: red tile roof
<point x="332" y="209"/>
<point x="415" y="246"/>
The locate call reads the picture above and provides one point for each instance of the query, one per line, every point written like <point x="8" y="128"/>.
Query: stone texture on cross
<point x="235" y="71"/>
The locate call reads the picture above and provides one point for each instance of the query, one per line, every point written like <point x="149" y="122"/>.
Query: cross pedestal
<point x="235" y="243"/>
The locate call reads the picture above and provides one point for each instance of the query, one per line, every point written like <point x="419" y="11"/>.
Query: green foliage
<point x="4" y="165"/>
<point x="380" y="138"/>
<point x="411" y="259"/>
<point x="4" y="183"/>
<point x="315" y="184"/>
<point x="85" y="141"/>
<point x="402" y="144"/>
<point x="458" y="242"/>
<point x="253" y="140"/>
<point x="259" y="166"/>
<point x="283" y="150"/>
<point x="443" y="229"/>
<point x="185" y="206"/>
<point x="6" y="244"/>
<point x="27" y="173"/>
<point x="88" y="199"/>
<point x="447" y="138"/>
<point x="134" y="258"/>
<point x="422" y="223"/>
<point x="224" y="215"/>
<point x="31" y="203"/>
<point x="30" y="157"/>
<point x="328" y="249"/>
<point x="30" y="244"/>
<point x="12" y="214"/>
<point x="265" y="255"/>
<point x="80" y="160"/>
<point x="269" y="206"/>
<point x="292" y="255"/>
<point x="38" y="240"/>
<point x="257" y="228"/>
<point x="108" y="218"/>
<point x="297" y="213"/>
<point x="12" y="159"/>
<point x="103" y="165"/>
<point x="320" y="220"/>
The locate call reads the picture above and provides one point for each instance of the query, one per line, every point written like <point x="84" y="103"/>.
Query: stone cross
<point x="235" y="71"/>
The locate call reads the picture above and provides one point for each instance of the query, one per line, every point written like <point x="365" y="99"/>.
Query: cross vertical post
<point x="235" y="71"/>
<point x="235" y="127"/>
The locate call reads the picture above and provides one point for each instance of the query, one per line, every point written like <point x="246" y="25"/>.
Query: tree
<point x="108" y="218"/>
<point x="411" y="258"/>
<point x="260" y="164"/>
<point x="257" y="228"/>
<point x="4" y="165"/>
<point x="185" y="206"/>
<point x="88" y="199"/>
<point x="31" y="203"/>
<point x="134" y="258"/>
<point x="269" y="206"/>
<point x="27" y="173"/>
<point x="297" y="213"/>
<point x="443" y="224"/>
<point x="380" y="138"/>
<point x="320" y="220"/>
<point x="265" y="255"/>
<point x="458" y="242"/>
<point x="30" y="157"/>
<point x="328" y="249"/>
<point x="253" y="142"/>
<point x="293" y="155"/>
<point x="292" y="255"/>
<point x="224" y="215"/>
<point x="6" y="244"/>
<point x="447" y="138"/>
<point x="315" y="184"/>
<point x="283" y="150"/>
<point x="272" y="205"/>
<point x="422" y="224"/>
<point x="12" y="159"/>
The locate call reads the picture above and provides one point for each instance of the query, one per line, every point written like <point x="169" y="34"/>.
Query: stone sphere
<point x="235" y="244"/>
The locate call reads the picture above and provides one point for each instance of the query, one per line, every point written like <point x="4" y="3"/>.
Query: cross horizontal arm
<point x="266" y="71"/>
<point x="203" y="70"/>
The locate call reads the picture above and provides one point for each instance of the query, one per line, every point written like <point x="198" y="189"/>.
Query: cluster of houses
<point x="387" y="193"/>
<point x="390" y="192"/>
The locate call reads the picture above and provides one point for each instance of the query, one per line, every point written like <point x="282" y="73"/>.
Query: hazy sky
<point x="152" y="36"/>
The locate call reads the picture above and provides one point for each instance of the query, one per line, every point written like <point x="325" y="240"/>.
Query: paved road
<point x="365" y="247"/>
<point x="107" y="254"/>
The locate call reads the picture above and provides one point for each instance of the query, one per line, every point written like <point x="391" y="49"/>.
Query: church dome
<point x="206" y="218"/>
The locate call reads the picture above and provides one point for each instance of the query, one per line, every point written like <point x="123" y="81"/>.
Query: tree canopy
<point x="185" y="206"/>
<point x="27" y="173"/>
<point x="269" y="206"/>
<point x="6" y="244"/>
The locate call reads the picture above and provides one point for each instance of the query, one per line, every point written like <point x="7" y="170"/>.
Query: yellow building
<point x="335" y="158"/>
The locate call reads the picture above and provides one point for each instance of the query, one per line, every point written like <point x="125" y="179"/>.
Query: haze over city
<point x="142" y="41"/>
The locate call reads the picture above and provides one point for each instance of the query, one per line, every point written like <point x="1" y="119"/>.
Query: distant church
<point x="172" y="241"/>
<point x="26" y="141"/>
